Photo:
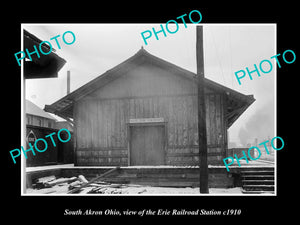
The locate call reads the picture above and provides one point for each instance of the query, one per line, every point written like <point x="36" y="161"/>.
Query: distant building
<point x="37" y="117"/>
<point x="40" y="124"/>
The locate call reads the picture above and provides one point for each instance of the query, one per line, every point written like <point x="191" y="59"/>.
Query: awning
<point x="47" y="66"/>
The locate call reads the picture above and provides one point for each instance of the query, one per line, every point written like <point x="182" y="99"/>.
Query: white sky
<point x="228" y="48"/>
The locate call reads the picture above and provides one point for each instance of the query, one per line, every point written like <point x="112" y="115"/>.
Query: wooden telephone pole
<point x="201" y="112"/>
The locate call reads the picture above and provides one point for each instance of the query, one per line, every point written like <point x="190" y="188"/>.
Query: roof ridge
<point x="63" y="106"/>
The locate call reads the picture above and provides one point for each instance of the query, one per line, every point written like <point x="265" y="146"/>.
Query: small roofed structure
<point x="37" y="116"/>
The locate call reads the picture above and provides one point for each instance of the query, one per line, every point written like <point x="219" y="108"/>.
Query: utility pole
<point x="201" y="112"/>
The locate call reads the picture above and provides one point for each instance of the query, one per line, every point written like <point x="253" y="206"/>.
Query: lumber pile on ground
<point x="62" y="185"/>
<point x="65" y="186"/>
<point x="47" y="182"/>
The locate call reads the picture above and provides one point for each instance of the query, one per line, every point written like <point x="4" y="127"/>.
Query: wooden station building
<point x="144" y="112"/>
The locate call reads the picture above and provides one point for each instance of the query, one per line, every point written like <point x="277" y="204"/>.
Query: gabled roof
<point x="33" y="109"/>
<point x="237" y="103"/>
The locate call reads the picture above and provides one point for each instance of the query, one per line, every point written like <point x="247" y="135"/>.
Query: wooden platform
<point x="160" y="176"/>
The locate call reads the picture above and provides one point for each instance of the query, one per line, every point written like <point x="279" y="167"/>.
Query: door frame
<point x="146" y="122"/>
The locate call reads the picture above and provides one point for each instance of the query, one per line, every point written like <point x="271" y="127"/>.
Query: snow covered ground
<point x="136" y="190"/>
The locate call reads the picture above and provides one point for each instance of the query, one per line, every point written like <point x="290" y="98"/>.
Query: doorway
<point x="147" y="144"/>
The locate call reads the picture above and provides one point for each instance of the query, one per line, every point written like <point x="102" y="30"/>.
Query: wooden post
<point x="201" y="112"/>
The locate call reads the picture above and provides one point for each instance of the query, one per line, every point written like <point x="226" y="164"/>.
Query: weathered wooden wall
<point x="147" y="92"/>
<point x="62" y="153"/>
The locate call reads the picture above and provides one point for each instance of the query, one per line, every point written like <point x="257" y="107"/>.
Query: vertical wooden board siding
<point x="156" y="111"/>
<point x="144" y="105"/>
<point x="123" y="113"/>
<point x="178" y="118"/>
<point x="195" y="121"/>
<point x="141" y="108"/>
<point x="147" y="107"/>
<point x="185" y="121"/>
<point x="75" y="136"/>
<point x="94" y="122"/>
<point x="77" y="120"/>
<point x="155" y="104"/>
<point x="107" y="118"/>
<point x="208" y="122"/>
<point x="101" y="123"/>
<point x="151" y="107"/>
<point x="136" y="108"/>
<point x="173" y="115"/>
<point x="121" y="117"/>
<point x="169" y="121"/>
<point x="218" y="120"/>
<point x="97" y="123"/>
<point x="117" y="127"/>
<point x="109" y="108"/>
<point x="212" y="119"/>
<point x="118" y="123"/>
<point x="90" y="122"/>
<point x="162" y="107"/>
<point x="154" y="107"/>
<point x="84" y="125"/>
<point x="79" y="125"/>
<point x="178" y="126"/>
<point x="111" y="119"/>
<point x="126" y="119"/>
<point x="191" y="120"/>
<point x="106" y="121"/>
<point x="169" y="118"/>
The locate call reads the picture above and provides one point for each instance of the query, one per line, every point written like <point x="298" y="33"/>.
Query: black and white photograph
<point x="131" y="106"/>
<point x="144" y="114"/>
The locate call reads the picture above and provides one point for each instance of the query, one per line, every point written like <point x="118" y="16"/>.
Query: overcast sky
<point x="228" y="48"/>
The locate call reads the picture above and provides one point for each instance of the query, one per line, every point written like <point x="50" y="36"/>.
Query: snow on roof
<point x="33" y="109"/>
